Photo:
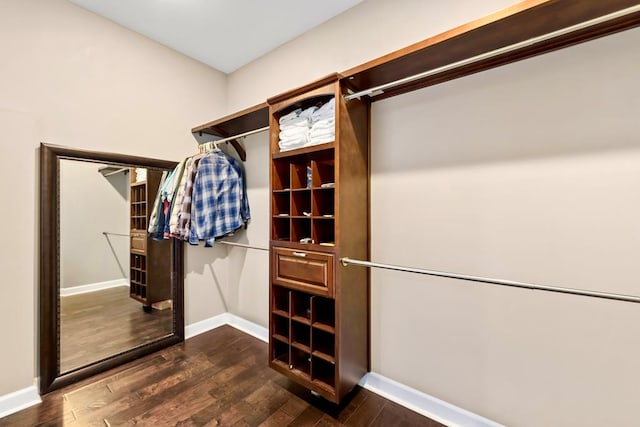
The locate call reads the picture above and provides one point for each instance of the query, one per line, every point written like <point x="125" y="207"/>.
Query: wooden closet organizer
<point x="150" y="279"/>
<point x="318" y="309"/>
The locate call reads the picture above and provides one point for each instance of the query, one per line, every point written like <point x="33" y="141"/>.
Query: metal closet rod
<point x="114" y="234"/>
<point x="242" y="245"/>
<point x="594" y="294"/>
<point x="240" y="135"/>
<point x="493" y="53"/>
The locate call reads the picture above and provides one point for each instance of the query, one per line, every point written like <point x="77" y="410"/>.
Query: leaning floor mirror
<point x="108" y="293"/>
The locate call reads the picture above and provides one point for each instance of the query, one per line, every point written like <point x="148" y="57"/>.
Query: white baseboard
<point x="230" y="319"/>
<point x="401" y="394"/>
<point x="205" y="325"/>
<point x="92" y="287"/>
<point x="423" y="403"/>
<point x="19" y="400"/>
<point x="248" y="327"/>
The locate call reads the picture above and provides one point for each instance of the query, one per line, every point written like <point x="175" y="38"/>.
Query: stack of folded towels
<point x="323" y="124"/>
<point x="303" y="128"/>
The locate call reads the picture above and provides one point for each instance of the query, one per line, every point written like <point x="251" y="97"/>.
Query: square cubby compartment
<point x="301" y="336"/>
<point x="280" y="352"/>
<point x="324" y="202"/>
<point x="281" y="229"/>
<point x="324" y="314"/>
<point x="301" y="307"/>
<point x="300" y="175"/>
<point x="280" y="203"/>
<point x="281" y="179"/>
<point x="324" y="343"/>
<point x="301" y="230"/>
<point x="323" y="172"/>
<point x="280" y="300"/>
<point x="324" y="372"/>
<point x="324" y="231"/>
<point x="280" y="327"/>
<point x="301" y="361"/>
<point x="301" y="203"/>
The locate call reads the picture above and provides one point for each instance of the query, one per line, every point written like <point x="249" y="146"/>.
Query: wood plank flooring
<point x="219" y="378"/>
<point x="96" y="325"/>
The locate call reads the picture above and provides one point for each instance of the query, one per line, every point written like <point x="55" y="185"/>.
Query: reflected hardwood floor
<point x="104" y="323"/>
<point x="219" y="378"/>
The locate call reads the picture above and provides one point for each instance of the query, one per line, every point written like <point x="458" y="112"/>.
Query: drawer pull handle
<point x="300" y="254"/>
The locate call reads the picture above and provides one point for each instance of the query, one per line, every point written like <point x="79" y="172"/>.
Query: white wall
<point x="91" y="204"/>
<point x="371" y="29"/>
<point x="529" y="172"/>
<point x="71" y="78"/>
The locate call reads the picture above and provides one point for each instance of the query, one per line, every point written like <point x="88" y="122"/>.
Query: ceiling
<point x="224" y="34"/>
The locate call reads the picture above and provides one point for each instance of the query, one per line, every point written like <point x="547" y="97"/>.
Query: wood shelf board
<point x="324" y="327"/>
<point x="281" y="313"/>
<point x="324" y="356"/>
<point x="333" y="77"/>
<point x="138" y="298"/>
<point x="324" y="385"/>
<point x="301" y="373"/>
<point x="302" y="319"/>
<point x="517" y="23"/>
<point x="249" y="119"/>
<point x="280" y="338"/>
<point x="303" y="151"/>
<point x="301" y="346"/>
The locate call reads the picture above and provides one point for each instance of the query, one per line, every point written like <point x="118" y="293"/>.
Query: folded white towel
<point x="293" y="132"/>
<point x="308" y="113"/>
<point x="326" y="111"/>
<point x="320" y="140"/>
<point x="324" y="124"/>
<point x="291" y="116"/>
<point x="322" y="134"/>
<point x="292" y="144"/>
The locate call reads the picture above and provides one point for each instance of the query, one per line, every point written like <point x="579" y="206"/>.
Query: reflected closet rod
<point x="114" y="234"/>
<point x="242" y="245"/>
<point x="595" y="294"/>
<point x="377" y="90"/>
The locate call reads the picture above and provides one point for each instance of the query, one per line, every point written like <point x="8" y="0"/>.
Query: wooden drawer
<point x="138" y="242"/>
<point x="304" y="270"/>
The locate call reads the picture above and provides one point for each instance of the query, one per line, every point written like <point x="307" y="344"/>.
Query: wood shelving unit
<point x="149" y="278"/>
<point x="319" y="203"/>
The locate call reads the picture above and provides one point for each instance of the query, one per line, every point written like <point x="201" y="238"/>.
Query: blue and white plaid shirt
<point x="219" y="202"/>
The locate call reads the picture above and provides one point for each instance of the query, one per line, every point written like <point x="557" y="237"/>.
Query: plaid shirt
<point x="184" y="214"/>
<point x="219" y="203"/>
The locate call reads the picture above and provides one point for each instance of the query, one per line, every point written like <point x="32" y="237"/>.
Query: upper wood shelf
<point x="243" y="121"/>
<point x="252" y="118"/>
<point x="521" y="22"/>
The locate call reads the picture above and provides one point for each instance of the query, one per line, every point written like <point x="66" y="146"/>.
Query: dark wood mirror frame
<point x="49" y="281"/>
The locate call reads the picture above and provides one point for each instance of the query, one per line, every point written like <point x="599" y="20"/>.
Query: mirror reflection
<point x="115" y="282"/>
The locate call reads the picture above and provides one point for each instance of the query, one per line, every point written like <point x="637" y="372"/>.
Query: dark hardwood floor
<point x="219" y="378"/>
<point x="104" y="323"/>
